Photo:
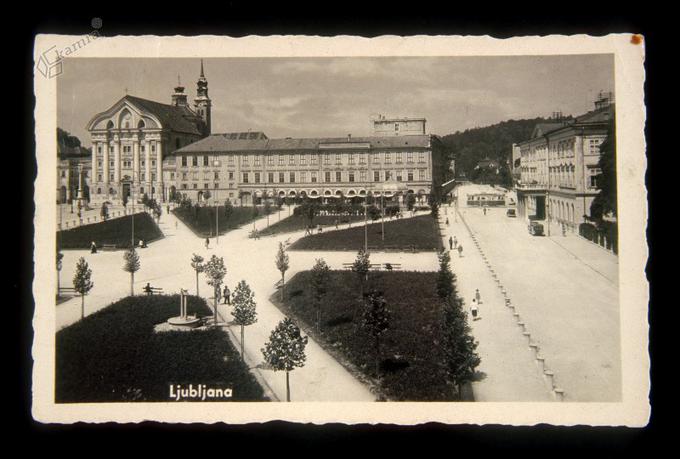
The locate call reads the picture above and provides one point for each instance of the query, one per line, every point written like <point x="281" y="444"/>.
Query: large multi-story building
<point x="131" y="139"/>
<point x="559" y="166"/>
<point x="246" y="167"/>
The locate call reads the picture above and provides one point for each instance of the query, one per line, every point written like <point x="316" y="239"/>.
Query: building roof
<point x="542" y="129"/>
<point x="223" y="143"/>
<point x="179" y="119"/>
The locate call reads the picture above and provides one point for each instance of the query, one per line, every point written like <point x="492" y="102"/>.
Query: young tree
<point x="445" y="277"/>
<point x="131" y="266"/>
<point x="461" y="360"/>
<point x="207" y="195"/>
<point x="282" y="264"/>
<point x="215" y="270"/>
<point x="361" y="266"/>
<point x="82" y="283"/>
<point x="60" y="257"/>
<point x="410" y="201"/>
<point x="197" y="264"/>
<point x="244" y="309"/>
<point x="285" y="350"/>
<point x="376" y="321"/>
<point x="228" y="209"/>
<point x="320" y="276"/>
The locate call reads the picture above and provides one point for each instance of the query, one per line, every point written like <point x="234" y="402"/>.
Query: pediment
<point x="124" y="114"/>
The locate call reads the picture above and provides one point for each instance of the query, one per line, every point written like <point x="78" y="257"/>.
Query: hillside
<point x="494" y="142"/>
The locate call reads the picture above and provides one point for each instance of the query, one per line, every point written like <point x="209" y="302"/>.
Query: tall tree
<point x="197" y="264"/>
<point x="320" y="278"/>
<point x="360" y="267"/>
<point x="605" y="201"/>
<point x="376" y="321"/>
<point x="131" y="266"/>
<point x="215" y="270"/>
<point x="445" y="278"/>
<point x="282" y="264"/>
<point x="285" y="350"/>
<point x="82" y="282"/>
<point x="461" y="358"/>
<point x="244" y="309"/>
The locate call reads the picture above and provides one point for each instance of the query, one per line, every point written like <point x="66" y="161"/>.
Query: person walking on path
<point x="455" y="242"/>
<point x="474" y="310"/>
<point x="447" y="221"/>
<point x="207" y="243"/>
<point x="227" y="293"/>
<point x="484" y="210"/>
<point x="450" y="243"/>
<point x="478" y="296"/>
<point x="93" y="247"/>
<point x="460" y="251"/>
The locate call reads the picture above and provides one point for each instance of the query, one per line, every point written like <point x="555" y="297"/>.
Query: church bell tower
<point x="202" y="102"/>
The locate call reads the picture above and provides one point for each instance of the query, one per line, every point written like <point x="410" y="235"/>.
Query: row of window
<point x="126" y="148"/>
<point x="304" y="159"/>
<point x="142" y="177"/>
<point x="329" y="177"/>
<point x="126" y="163"/>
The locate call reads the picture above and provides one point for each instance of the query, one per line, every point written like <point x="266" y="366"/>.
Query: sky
<point x="333" y="97"/>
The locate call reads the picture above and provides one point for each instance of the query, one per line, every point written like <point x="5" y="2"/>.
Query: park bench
<point x="108" y="247"/>
<point x="392" y="266"/>
<point x="153" y="290"/>
<point x="68" y="290"/>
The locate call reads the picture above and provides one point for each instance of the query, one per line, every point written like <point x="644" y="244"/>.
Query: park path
<point x="165" y="264"/>
<point x="508" y="372"/>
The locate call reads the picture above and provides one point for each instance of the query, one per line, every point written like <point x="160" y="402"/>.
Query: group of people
<point x="454" y="245"/>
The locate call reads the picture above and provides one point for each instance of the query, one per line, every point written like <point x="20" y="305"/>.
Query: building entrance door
<point x="126" y="191"/>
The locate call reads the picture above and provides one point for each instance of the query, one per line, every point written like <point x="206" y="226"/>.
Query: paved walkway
<point x="566" y="291"/>
<point x="508" y="371"/>
<point x="166" y="264"/>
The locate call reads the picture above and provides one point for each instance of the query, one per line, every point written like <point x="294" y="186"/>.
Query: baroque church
<point x="131" y="138"/>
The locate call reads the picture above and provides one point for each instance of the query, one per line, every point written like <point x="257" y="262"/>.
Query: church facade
<point x="131" y="139"/>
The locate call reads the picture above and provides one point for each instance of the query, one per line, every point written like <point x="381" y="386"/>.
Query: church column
<point x="105" y="167"/>
<point x="159" y="170"/>
<point x="135" y="162"/>
<point x="116" y="162"/>
<point x="147" y="167"/>
<point x="95" y="167"/>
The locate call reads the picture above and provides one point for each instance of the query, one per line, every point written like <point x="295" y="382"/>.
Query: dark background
<point x="328" y="19"/>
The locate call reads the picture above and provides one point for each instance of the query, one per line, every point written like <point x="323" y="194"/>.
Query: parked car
<point x="511" y="213"/>
<point x="535" y="229"/>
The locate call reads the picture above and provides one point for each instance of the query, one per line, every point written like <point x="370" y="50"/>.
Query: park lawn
<point x="300" y="222"/>
<point x="411" y="356"/>
<point x="419" y="233"/>
<point x="117" y="232"/>
<point x="203" y="222"/>
<point x="114" y="355"/>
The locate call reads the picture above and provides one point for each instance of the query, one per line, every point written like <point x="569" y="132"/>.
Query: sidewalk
<point x="166" y="264"/>
<point x="508" y="369"/>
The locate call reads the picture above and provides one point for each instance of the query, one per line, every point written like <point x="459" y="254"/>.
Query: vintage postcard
<point x="388" y="230"/>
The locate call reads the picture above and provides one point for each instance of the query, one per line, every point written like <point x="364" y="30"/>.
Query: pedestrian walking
<point x="218" y="294"/>
<point x="484" y="211"/>
<point x="447" y="221"/>
<point x="175" y="224"/>
<point x="207" y="243"/>
<point x="93" y="247"/>
<point x="455" y="242"/>
<point x="450" y="243"/>
<point x="478" y="296"/>
<point x="460" y="251"/>
<point x="474" y="310"/>
<point x="227" y="295"/>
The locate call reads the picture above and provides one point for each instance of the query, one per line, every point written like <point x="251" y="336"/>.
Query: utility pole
<point x="217" y="219"/>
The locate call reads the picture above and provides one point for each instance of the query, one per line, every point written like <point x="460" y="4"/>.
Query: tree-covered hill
<point x="493" y="142"/>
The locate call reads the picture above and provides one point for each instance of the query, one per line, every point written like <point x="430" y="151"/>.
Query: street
<point x="566" y="290"/>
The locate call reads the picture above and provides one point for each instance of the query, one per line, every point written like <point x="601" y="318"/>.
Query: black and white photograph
<point x="251" y="229"/>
